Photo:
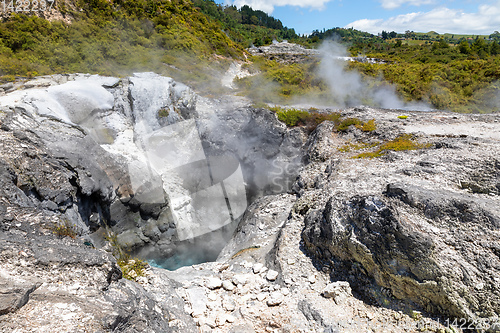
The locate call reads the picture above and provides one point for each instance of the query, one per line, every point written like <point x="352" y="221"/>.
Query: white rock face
<point x="147" y="122"/>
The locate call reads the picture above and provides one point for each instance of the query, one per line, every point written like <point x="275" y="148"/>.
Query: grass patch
<point x="370" y="154"/>
<point x="131" y="268"/>
<point x="163" y="113"/>
<point x="369" y="126"/>
<point x="291" y="117"/>
<point x="65" y="230"/>
<point x="344" y="124"/>
<point x="401" y="143"/>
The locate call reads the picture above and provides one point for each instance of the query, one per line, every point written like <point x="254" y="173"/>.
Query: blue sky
<point x="449" y="16"/>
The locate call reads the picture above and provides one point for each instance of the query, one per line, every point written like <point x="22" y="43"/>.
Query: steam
<point x="211" y="167"/>
<point x="348" y="88"/>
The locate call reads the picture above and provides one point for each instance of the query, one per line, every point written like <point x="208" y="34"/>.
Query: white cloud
<point x="392" y="4"/>
<point x="442" y="20"/>
<point x="268" y="5"/>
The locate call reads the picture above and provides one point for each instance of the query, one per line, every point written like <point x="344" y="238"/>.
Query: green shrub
<point x="132" y="268"/>
<point x="310" y="120"/>
<point x="371" y="154"/>
<point x="368" y="126"/>
<point x="163" y="113"/>
<point x="348" y="147"/>
<point x="292" y="117"/>
<point x="344" y="124"/>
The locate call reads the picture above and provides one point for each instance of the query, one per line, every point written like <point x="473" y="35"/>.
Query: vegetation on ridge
<point x="312" y="118"/>
<point x="117" y="38"/>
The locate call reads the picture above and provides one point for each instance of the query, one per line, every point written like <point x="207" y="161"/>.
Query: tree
<point x="409" y="34"/>
<point x="494" y="48"/>
<point x="495" y="36"/>
<point x="384" y="34"/>
<point x="480" y="47"/>
<point x="464" y="47"/>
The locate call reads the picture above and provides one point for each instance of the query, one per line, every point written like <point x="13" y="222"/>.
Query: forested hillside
<point x="459" y="74"/>
<point x="115" y="38"/>
<point x="245" y="25"/>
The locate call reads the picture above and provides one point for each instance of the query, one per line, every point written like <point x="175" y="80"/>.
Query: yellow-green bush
<point x="401" y="143"/>
<point x="132" y="268"/>
<point x="309" y="119"/>
<point x="65" y="229"/>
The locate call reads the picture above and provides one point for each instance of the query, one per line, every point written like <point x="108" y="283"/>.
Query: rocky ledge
<point x="403" y="240"/>
<point x="285" y="52"/>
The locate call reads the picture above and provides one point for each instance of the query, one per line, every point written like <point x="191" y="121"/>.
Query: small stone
<point x="261" y="297"/>
<point x="213" y="283"/>
<point x="288" y="281"/>
<point x="210" y="322"/>
<point x="228" y="304"/>
<point x="285" y="291"/>
<point x="240" y="279"/>
<point x="205" y="329"/>
<point x="243" y="291"/>
<point x="230" y="318"/>
<point x="275" y="298"/>
<point x="228" y="285"/>
<point x="312" y="279"/>
<point x="212" y="296"/>
<point x="220" y="320"/>
<point x="257" y="268"/>
<point x="142" y="280"/>
<point x="246" y="264"/>
<point x="272" y="275"/>
<point x="339" y="291"/>
<point x="290" y="261"/>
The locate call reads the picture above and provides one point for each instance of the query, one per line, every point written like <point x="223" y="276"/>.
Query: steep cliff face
<point x="313" y="236"/>
<point x="146" y="161"/>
